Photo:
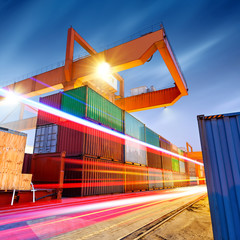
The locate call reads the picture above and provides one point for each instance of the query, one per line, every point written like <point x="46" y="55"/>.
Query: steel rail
<point x="150" y="227"/>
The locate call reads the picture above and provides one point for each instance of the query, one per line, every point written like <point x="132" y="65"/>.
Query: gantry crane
<point x="136" y="52"/>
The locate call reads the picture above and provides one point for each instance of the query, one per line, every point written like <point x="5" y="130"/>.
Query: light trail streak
<point x="86" y="123"/>
<point x="89" y="213"/>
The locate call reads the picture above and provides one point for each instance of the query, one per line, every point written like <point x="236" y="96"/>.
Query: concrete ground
<point x="193" y="223"/>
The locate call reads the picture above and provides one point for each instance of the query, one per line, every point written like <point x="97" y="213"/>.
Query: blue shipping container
<point x="220" y="140"/>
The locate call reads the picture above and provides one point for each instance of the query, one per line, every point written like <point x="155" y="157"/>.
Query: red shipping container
<point x="92" y="176"/>
<point x="52" y="101"/>
<point x="27" y="163"/>
<point x="79" y="140"/>
<point x="136" y="178"/>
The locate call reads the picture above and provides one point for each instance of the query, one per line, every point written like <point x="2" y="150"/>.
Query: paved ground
<point x="120" y="226"/>
<point x="98" y="217"/>
<point x="193" y="223"/>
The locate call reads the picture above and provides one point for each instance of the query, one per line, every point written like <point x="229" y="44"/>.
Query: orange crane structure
<point x="136" y="52"/>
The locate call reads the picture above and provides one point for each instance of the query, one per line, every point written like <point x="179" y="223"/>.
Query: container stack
<point x="154" y="159"/>
<point x="166" y="163"/>
<point x="94" y="161"/>
<point x="89" y="147"/>
<point x="12" y="148"/>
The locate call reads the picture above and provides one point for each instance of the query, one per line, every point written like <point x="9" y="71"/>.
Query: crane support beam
<point x="68" y="69"/>
<point x="39" y="84"/>
<point x="21" y="125"/>
<point x="150" y="100"/>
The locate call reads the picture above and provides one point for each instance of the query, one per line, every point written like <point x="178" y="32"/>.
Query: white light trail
<point x="86" y="123"/>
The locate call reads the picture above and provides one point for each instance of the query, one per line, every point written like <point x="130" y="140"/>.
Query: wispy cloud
<point x="199" y="51"/>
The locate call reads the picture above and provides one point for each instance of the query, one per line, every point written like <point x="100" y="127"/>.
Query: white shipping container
<point x="138" y="90"/>
<point x="135" y="153"/>
<point x="182" y="167"/>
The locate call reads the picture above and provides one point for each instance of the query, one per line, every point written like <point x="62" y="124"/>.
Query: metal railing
<point x="81" y="55"/>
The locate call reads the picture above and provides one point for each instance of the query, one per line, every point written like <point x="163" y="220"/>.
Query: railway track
<point x="149" y="228"/>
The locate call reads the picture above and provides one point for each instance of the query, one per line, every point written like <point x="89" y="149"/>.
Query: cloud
<point x="197" y="52"/>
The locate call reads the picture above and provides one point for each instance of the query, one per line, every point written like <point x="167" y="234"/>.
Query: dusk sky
<point x="204" y="35"/>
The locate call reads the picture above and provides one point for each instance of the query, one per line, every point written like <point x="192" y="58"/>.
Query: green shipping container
<point x="152" y="137"/>
<point x="86" y="103"/>
<point x="134" y="127"/>
<point x="175" y="165"/>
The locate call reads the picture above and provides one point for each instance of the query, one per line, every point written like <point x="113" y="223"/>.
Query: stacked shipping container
<point x="56" y="135"/>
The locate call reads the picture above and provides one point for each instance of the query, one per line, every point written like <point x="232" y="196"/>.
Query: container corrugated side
<point x="175" y="162"/>
<point x="134" y="127"/>
<point x="135" y="153"/>
<point x="136" y="178"/>
<point x="45" y="168"/>
<point x="182" y="167"/>
<point x="103" y="111"/>
<point x="93" y="176"/>
<point x="86" y="103"/>
<point x="73" y="177"/>
<point x="80" y="140"/>
<point x="71" y="138"/>
<point x="108" y="176"/>
<point x="220" y="140"/>
<point x="152" y="137"/>
<point x="155" y="179"/>
<point x="168" y="179"/>
<point x="74" y="101"/>
<point x="27" y="163"/>
<point x="103" y="145"/>
<point x="166" y="158"/>
<point x="52" y="101"/>
<point x="178" y="179"/>
<point x="154" y="158"/>
<point x="192" y="169"/>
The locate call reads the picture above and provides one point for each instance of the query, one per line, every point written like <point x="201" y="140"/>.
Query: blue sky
<point x="204" y="35"/>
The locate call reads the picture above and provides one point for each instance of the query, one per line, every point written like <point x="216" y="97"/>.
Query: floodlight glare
<point x="10" y="99"/>
<point x="104" y="70"/>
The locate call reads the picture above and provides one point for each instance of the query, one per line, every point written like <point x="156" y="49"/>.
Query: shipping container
<point x="155" y="178"/>
<point x="78" y="140"/>
<point x="175" y="162"/>
<point x="27" y="163"/>
<point x="134" y="127"/>
<point x="86" y="103"/>
<point x="46" y="139"/>
<point x="166" y="158"/>
<point x="136" y="178"/>
<point x="192" y="169"/>
<point x="135" y="153"/>
<point x="168" y="179"/>
<point x="46" y="168"/>
<point x="182" y="168"/>
<point x="104" y="111"/>
<point x="46" y="117"/>
<point x="180" y="179"/>
<point x="88" y="176"/>
<point x="220" y="141"/>
<point x="154" y="157"/>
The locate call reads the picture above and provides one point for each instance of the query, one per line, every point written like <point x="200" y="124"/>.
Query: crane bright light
<point x="104" y="70"/>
